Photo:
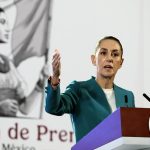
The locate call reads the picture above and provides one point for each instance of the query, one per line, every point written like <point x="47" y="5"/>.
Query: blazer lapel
<point x="119" y="97"/>
<point x="100" y="94"/>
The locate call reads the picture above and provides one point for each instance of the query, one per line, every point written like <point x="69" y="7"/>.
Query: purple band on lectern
<point x="105" y="132"/>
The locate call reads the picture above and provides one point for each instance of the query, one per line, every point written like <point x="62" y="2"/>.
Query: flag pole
<point x="46" y="55"/>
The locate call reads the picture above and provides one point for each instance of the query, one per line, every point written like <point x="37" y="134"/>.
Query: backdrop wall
<point x="75" y="29"/>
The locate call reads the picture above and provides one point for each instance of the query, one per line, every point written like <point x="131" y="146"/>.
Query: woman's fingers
<point x="56" y="64"/>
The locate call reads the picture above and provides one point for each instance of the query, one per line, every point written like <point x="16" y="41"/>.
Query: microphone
<point x="145" y="95"/>
<point x="148" y="98"/>
<point x="126" y="100"/>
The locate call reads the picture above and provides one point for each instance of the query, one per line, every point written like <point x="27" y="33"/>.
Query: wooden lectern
<point x="124" y="129"/>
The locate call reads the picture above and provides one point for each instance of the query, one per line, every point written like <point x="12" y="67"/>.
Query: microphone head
<point x="145" y="95"/>
<point x="126" y="99"/>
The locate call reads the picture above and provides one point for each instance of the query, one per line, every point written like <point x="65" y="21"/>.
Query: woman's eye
<point x="103" y="53"/>
<point x="115" y="54"/>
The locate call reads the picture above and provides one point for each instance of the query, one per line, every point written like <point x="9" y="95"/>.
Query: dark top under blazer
<point x="86" y="102"/>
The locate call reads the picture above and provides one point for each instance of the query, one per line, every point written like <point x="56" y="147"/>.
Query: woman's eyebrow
<point x="104" y="49"/>
<point x="114" y="50"/>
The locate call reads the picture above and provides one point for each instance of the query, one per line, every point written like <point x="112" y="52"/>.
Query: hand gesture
<point x="56" y="64"/>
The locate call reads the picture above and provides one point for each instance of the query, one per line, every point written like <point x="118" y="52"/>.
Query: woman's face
<point x="108" y="59"/>
<point x="4" y="29"/>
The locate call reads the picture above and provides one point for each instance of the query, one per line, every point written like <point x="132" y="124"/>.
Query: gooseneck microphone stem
<point x="126" y="100"/>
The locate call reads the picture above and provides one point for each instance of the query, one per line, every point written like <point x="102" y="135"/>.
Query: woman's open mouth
<point x="108" y="67"/>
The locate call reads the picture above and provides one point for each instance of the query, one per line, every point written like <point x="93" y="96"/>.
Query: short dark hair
<point x="110" y="38"/>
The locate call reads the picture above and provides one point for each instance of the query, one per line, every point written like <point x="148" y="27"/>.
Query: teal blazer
<point x="86" y="102"/>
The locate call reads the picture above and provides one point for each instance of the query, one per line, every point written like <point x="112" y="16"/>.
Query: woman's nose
<point x="109" y="58"/>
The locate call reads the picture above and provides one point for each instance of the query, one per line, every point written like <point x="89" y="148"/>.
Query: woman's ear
<point x="122" y="61"/>
<point x="93" y="60"/>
